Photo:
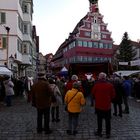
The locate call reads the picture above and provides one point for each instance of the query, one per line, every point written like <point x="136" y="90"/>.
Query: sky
<point x="55" y="19"/>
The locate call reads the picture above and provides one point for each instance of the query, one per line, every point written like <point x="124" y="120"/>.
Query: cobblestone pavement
<point x="18" y="122"/>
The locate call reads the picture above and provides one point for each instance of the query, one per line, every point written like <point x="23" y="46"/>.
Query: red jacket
<point x="103" y="93"/>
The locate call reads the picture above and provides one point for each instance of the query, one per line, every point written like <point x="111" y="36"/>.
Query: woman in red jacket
<point x="103" y="92"/>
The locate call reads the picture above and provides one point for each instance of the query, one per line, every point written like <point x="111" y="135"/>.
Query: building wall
<point x="89" y="42"/>
<point x="14" y="12"/>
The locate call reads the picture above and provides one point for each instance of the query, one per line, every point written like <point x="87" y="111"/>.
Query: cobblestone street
<point x="19" y="123"/>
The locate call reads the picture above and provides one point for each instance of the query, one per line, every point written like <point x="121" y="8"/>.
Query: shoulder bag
<point x="66" y="106"/>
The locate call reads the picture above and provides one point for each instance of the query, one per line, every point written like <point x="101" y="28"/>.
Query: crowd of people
<point x="46" y="94"/>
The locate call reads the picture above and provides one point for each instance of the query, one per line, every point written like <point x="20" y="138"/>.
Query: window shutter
<point x="0" y="41"/>
<point x="4" y="42"/>
<point x="3" y="18"/>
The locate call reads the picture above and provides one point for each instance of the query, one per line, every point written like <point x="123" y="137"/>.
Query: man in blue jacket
<point x="127" y="92"/>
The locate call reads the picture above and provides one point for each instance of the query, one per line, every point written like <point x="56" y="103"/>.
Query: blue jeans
<point x="73" y="121"/>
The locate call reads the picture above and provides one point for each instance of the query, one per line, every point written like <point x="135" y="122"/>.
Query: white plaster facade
<point x="17" y="15"/>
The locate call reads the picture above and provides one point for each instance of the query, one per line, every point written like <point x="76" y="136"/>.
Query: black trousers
<point x="43" y="114"/>
<point x="106" y="115"/>
<point x="116" y="107"/>
<point x="55" y="112"/>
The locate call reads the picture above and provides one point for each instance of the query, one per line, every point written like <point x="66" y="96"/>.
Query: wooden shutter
<point x="3" y="18"/>
<point x="4" y="42"/>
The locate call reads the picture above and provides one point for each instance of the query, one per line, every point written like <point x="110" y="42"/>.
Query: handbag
<point x="66" y="106"/>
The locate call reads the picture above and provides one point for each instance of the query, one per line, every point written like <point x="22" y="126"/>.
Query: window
<point x="90" y="44"/>
<point x="88" y="25"/>
<point x="84" y="59"/>
<point x="95" y="19"/>
<point x="79" y="43"/>
<point x="20" y="23"/>
<point x="101" y="45"/>
<point x="2" y="18"/>
<point x="19" y="45"/>
<point x="73" y="44"/>
<point x="110" y="46"/>
<point x="104" y="36"/>
<point x="106" y="46"/>
<point x="88" y="34"/>
<point x="94" y="59"/>
<point x="0" y="42"/>
<point x="85" y="43"/>
<point x="24" y="48"/>
<point x="95" y="44"/>
<point x="79" y="58"/>
<point x="95" y="27"/>
<point x="25" y="8"/>
<point x="25" y="28"/>
<point x="103" y="28"/>
<point x="89" y="59"/>
<point x="3" y="42"/>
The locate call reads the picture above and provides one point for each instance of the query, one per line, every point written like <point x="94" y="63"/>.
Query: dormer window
<point x="25" y="8"/>
<point x="95" y="20"/>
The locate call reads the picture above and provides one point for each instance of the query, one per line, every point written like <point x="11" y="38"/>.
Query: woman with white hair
<point x="9" y="91"/>
<point x="74" y="78"/>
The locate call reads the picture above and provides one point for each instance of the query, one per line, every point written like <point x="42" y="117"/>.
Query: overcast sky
<point x="55" y="19"/>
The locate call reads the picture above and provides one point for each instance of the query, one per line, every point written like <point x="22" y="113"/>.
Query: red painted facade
<point x="89" y="43"/>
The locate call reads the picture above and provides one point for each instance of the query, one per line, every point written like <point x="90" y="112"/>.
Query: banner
<point x="123" y="63"/>
<point x="135" y="63"/>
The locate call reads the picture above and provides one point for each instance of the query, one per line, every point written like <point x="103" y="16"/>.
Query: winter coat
<point x="127" y="87"/>
<point x="41" y="94"/>
<point x="103" y="92"/>
<point x="57" y="95"/>
<point x="8" y="85"/>
<point x="119" y="93"/>
<point x="76" y="103"/>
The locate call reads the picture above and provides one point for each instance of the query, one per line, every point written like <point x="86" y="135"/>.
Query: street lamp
<point x="11" y="60"/>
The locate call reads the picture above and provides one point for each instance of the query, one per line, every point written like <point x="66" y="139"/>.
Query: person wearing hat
<point x="103" y="92"/>
<point x="74" y="100"/>
<point x="41" y="99"/>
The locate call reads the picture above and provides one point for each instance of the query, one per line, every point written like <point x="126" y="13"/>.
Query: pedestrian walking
<point x="57" y="101"/>
<point x="103" y="92"/>
<point x="69" y="84"/>
<point x="74" y="100"/>
<point x="28" y="84"/>
<point x="137" y="88"/>
<point x="87" y="85"/>
<point x="41" y="99"/>
<point x="9" y="91"/>
<point x="60" y="82"/>
<point x="117" y="101"/>
<point x="127" y="92"/>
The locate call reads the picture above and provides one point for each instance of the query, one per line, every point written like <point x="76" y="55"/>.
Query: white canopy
<point x="64" y="69"/>
<point x="5" y="71"/>
<point x="126" y="73"/>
